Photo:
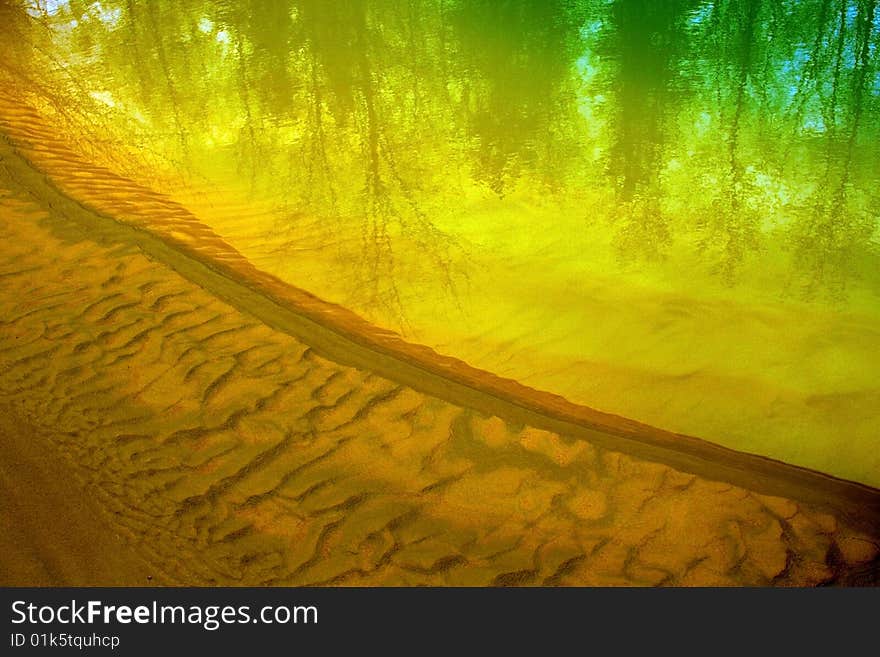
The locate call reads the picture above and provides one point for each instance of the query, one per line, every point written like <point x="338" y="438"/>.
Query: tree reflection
<point x="832" y="231"/>
<point x="645" y="41"/>
<point x="733" y="126"/>
<point x="514" y="61"/>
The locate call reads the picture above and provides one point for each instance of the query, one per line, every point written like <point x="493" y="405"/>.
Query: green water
<point x="666" y="210"/>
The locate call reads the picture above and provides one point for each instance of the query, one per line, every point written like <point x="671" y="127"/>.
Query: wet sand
<point x="223" y="443"/>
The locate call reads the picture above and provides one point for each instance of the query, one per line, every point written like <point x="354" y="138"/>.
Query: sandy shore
<point x="220" y="442"/>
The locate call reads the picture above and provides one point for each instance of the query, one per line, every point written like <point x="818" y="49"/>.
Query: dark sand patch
<point x="51" y="534"/>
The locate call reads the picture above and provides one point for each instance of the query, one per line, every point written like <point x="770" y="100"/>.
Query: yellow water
<point x="683" y="236"/>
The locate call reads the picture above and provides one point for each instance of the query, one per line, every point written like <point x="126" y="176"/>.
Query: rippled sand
<point x="199" y="442"/>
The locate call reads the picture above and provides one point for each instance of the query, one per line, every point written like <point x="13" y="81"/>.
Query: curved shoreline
<point x="169" y="233"/>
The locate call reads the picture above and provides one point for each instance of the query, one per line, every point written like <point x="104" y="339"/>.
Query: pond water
<point x="663" y="210"/>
